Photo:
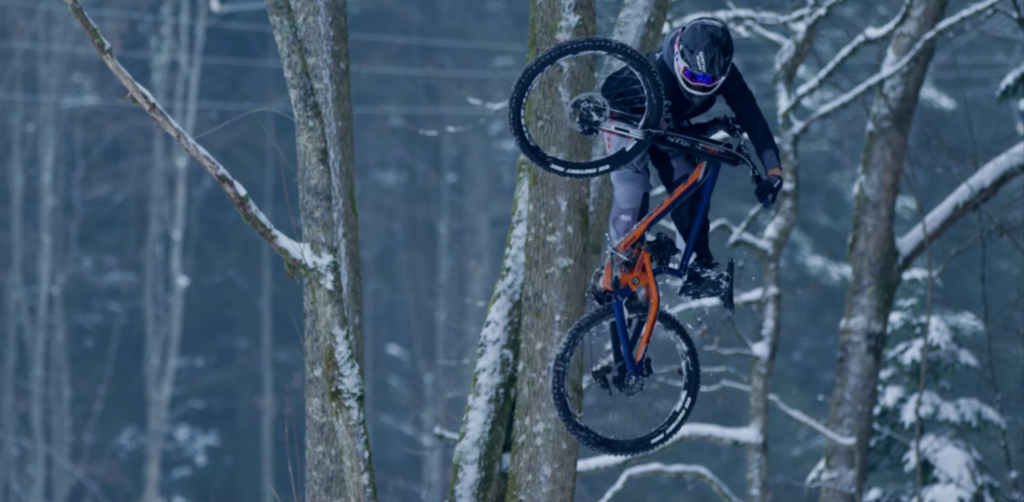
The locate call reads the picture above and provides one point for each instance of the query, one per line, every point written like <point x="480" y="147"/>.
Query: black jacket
<point x="623" y="92"/>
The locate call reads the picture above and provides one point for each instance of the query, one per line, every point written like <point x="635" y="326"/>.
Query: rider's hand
<point x="768" y="189"/>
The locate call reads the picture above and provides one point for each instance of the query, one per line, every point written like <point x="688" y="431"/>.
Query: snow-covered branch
<point x="674" y="470"/>
<point x="766" y="34"/>
<point x="445" y="434"/>
<point x="892" y="69"/>
<point x="809" y="422"/>
<point x="737" y="16"/>
<point x="745" y="298"/>
<point x="795" y="414"/>
<point x="738" y="234"/>
<point x="870" y="34"/>
<point x="730" y="436"/>
<point x="298" y="256"/>
<point x="1012" y="84"/>
<point x="981" y="186"/>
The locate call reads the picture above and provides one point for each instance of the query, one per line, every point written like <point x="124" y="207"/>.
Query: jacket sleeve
<point x="739" y="98"/>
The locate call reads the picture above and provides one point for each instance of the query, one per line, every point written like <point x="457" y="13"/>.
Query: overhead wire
<point x="359" y="36"/>
<point x="357" y="68"/>
<point x="66" y="102"/>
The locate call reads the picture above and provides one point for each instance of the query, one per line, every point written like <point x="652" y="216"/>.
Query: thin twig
<point x="298" y="256"/>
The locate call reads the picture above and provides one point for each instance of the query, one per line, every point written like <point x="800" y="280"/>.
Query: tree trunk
<point x="154" y="277"/>
<point x="638" y="25"/>
<point x="312" y="38"/>
<point x="164" y="342"/>
<point x="15" y="289"/>
<point x="477" y="463"/>
<point x="543" y="462"/>
<point x="873" y="257"/>
<point x="434" y="411"/>
<point x="168" y="218"/>
<point x="268" y="406"/>
<point x="48" y="78"/>
<point x="60" y="399"/>
<point x="775" y="235"/>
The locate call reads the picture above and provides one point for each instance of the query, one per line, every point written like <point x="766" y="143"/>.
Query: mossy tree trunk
<point x="476" y="467"/>
<point x="557" y="266"/>
<point x="312" y="38"/>
<point x="873" y="256"/>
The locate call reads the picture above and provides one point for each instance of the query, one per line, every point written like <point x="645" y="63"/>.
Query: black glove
<point x="768" y="189"/>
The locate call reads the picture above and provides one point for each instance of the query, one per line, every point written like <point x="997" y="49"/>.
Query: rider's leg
<point x="630" y="186"/>
<point x="672" y="170"/>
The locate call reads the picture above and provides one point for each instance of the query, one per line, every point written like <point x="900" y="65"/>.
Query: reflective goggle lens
<point x="699" y="78"/>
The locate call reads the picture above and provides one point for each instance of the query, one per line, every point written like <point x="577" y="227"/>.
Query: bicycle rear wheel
<point x="614" y="415"/>
<point x="572" y="109"/>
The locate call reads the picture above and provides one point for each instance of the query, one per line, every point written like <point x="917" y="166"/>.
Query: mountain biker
<point x="695" y="63"/>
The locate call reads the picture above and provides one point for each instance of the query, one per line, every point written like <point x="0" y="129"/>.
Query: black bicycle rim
<point x="553" y="162"/>
<point x="601" y="438"/>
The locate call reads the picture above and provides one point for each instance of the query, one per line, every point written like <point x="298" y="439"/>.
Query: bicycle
<point x="630" y="327"/>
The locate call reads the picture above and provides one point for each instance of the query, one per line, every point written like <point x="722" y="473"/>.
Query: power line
<point x="94" y="101"/>
<point x="359" y="36"/>
<point x="357" y="68"/>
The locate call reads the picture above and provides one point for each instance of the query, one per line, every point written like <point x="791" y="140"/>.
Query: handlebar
<point x="695" y="139"/>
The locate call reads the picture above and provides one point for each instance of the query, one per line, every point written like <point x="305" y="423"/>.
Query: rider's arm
<point x="739" y="98"/>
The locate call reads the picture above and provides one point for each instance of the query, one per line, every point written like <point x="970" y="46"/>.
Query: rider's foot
<point x="702" y="281"/>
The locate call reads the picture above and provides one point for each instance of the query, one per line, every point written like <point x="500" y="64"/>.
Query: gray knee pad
<point x="628" y="189"/>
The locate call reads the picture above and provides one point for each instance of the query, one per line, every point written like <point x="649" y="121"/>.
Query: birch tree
<point x="312" y="39"/>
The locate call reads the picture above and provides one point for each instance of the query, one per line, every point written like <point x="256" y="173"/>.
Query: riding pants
<point x="631" y="187"/>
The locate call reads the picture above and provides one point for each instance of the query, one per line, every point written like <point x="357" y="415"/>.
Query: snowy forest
<point x="288" y="250"/>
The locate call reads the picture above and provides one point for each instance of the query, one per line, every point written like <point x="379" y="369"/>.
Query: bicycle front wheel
<point x="577" y="92"/>
<point x="615" y="414"/>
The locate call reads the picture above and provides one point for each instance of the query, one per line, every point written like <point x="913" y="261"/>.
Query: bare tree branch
<point x="729" y="436"/>
<point x="737" y="16"/>
<point x="869" y="35"/>
<point x="674" y="470"/>
<point x="981" y="186"/>
<point x="795" y="414"/>
<point x="738" y="234"/>
<point x="892" y="69"/>
<point x="297" y="255"/>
